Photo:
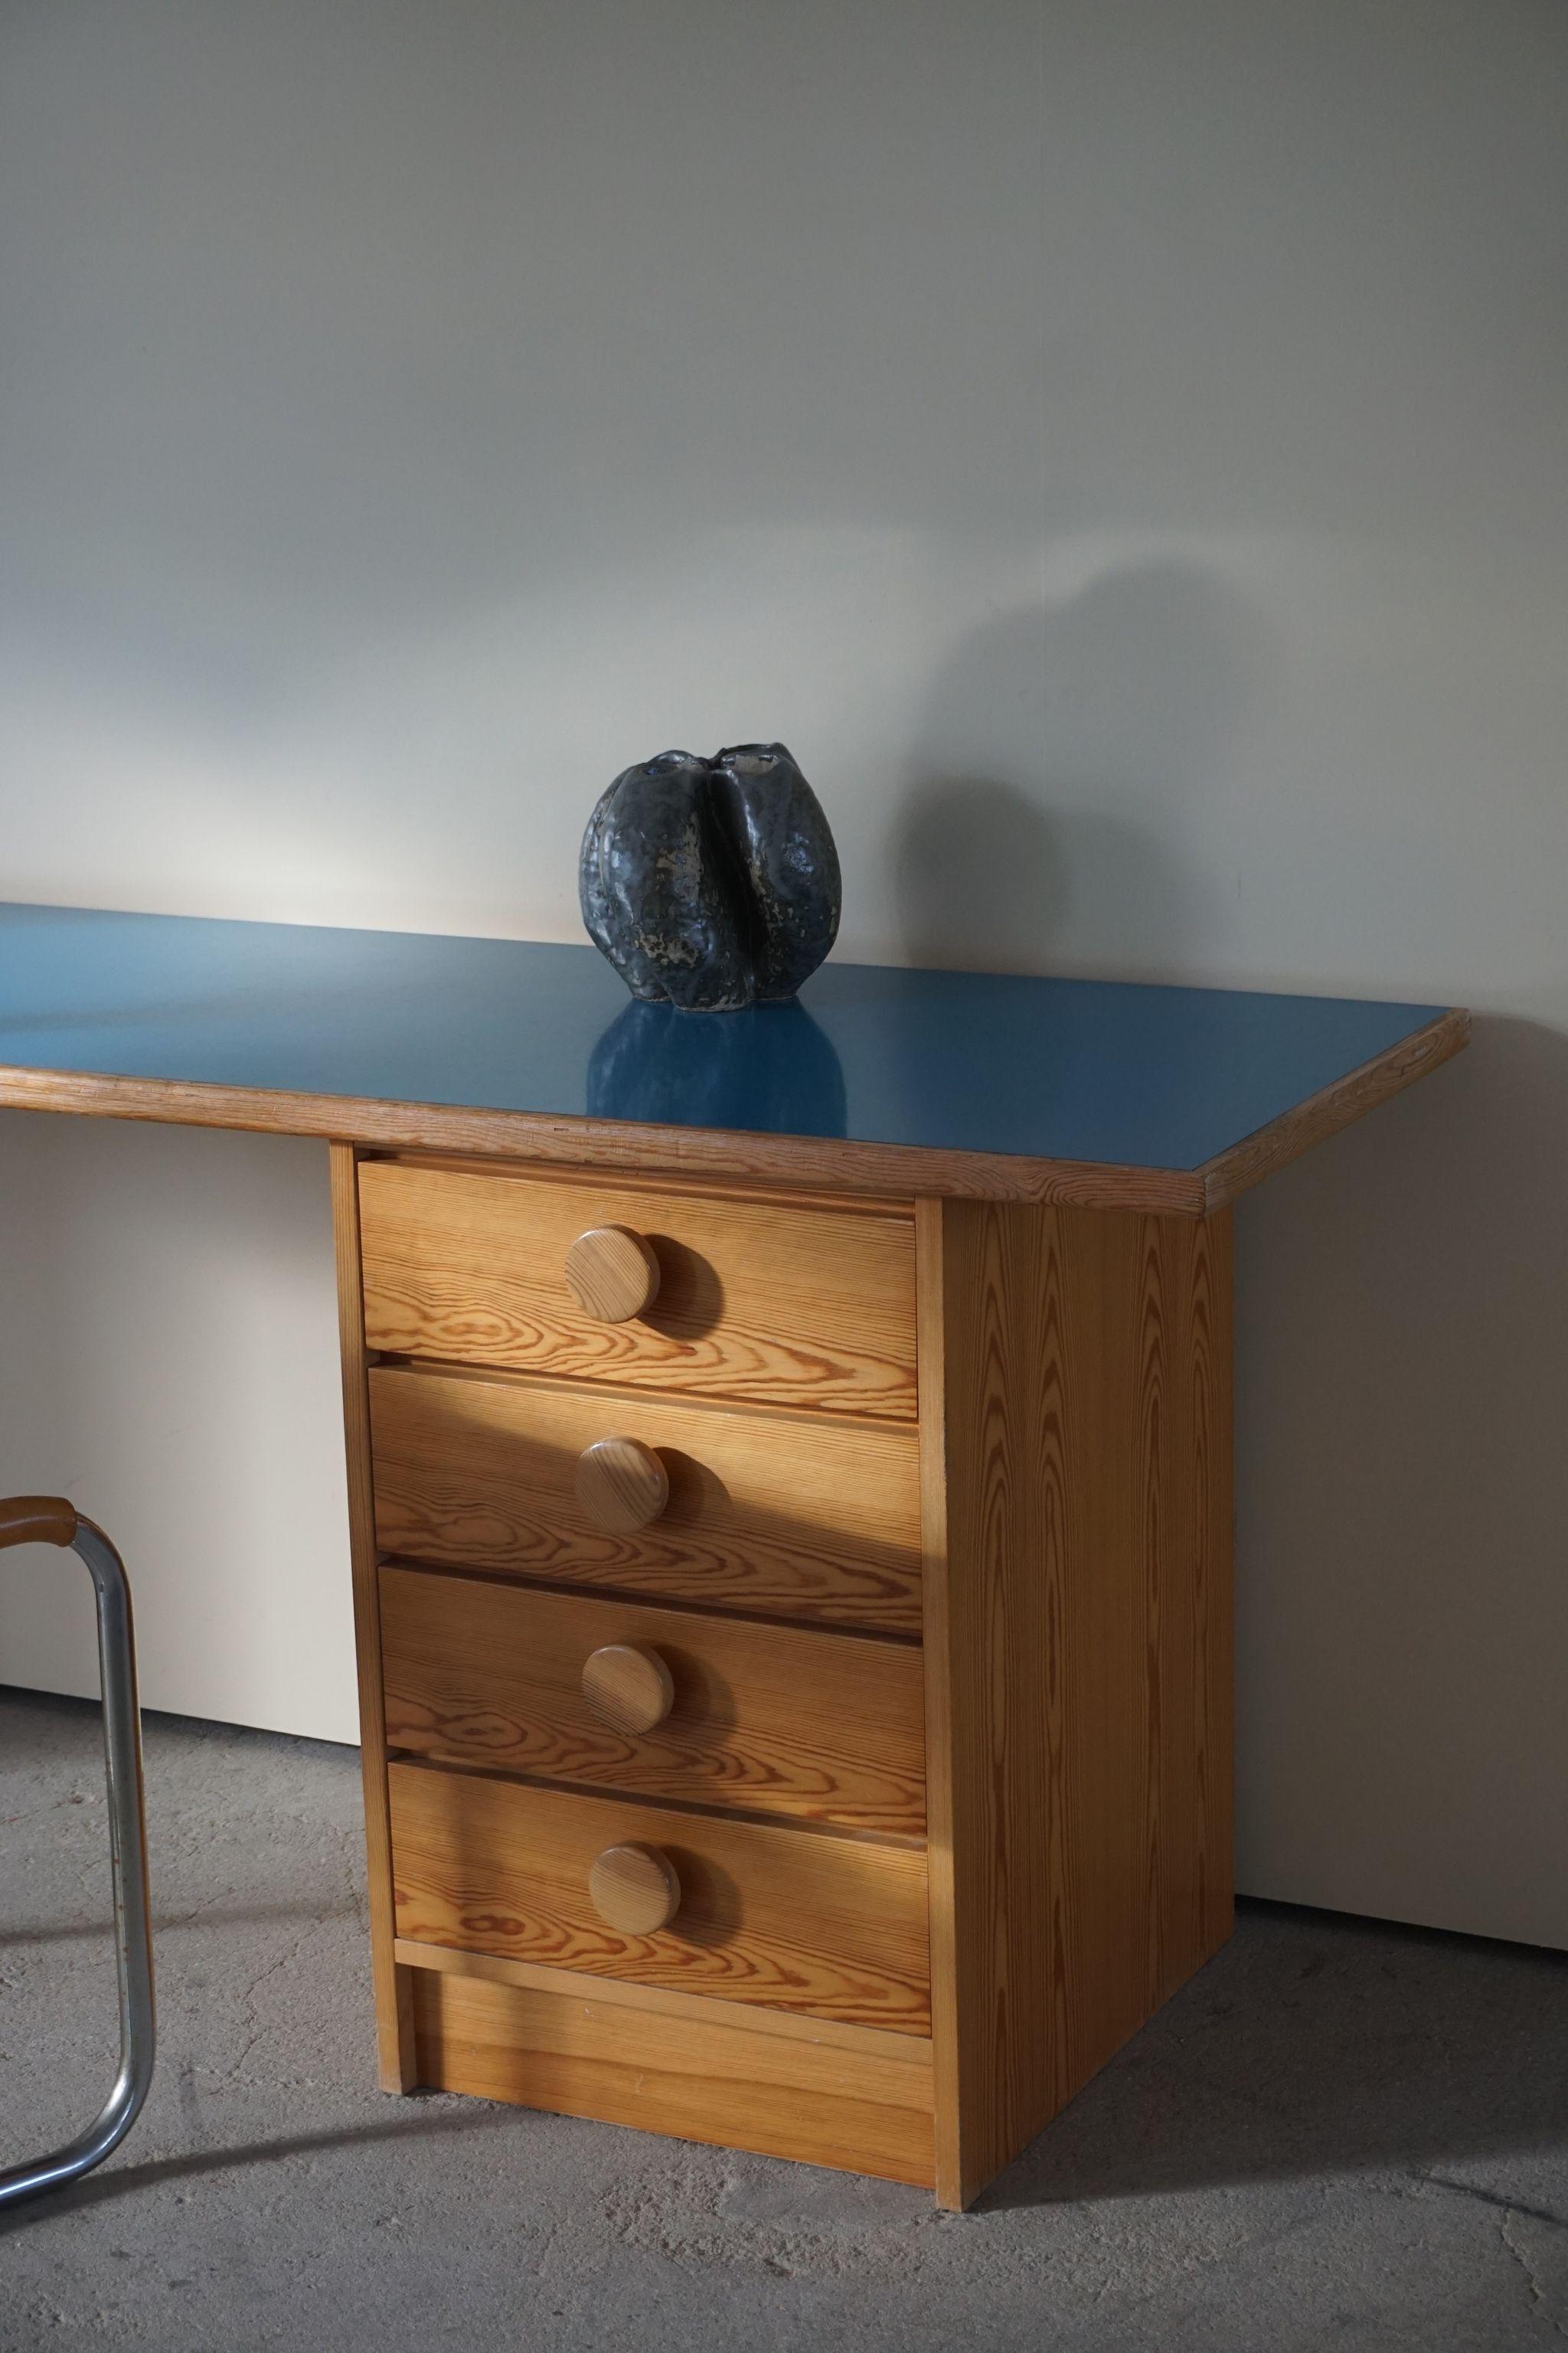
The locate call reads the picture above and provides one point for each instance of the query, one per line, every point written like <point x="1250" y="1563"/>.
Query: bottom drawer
<point x="792" y="1919"/>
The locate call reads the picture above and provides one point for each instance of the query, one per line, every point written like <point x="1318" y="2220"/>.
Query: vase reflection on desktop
<point x="768" y="1069"/>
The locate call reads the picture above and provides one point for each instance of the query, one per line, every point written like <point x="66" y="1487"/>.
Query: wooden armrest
<point x="37" y="1519"/>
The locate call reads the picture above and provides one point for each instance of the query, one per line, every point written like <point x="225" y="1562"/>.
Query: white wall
<point x="171" y="1363"/>
<point x="1123" y="449"/>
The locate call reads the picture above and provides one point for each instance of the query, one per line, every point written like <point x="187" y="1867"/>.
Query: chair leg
<point x="128" y="1840"/>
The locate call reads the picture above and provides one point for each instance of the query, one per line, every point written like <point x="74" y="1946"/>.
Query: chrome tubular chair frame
<point x="48" y="1520"/>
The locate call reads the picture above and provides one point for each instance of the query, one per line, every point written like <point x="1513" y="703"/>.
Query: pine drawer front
<point x="758" y="1301"/>
<point x="790" y="1516"/>
<point x="791" y="1919"/>
<point x="778" y="1720"/>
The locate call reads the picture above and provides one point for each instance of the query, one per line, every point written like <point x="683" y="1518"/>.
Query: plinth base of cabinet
<point x="854" y="2099"/>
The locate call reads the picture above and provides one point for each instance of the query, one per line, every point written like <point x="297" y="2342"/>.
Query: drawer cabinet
<point x="787" y="1919"/>
<point x="768" y="1719"/>
<point x="793" y="1649"/>
<point x="773" y="1305"/>
<point x="788" y="1516"/>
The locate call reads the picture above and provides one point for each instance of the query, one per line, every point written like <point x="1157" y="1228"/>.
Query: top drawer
<point x="776" y="1305"/>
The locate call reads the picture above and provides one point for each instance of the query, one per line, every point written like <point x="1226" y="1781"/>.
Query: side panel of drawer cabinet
<point x="794" y="1919"/>
<point x="793" y="1517"/>
<point x="756" y="1301"/>
<point x="817" y="1727"/>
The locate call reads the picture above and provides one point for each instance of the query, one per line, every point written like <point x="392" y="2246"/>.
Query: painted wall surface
<point x="1122" y="449"/>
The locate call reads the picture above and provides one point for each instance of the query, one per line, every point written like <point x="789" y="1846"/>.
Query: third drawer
<point x="772" y="1719"/>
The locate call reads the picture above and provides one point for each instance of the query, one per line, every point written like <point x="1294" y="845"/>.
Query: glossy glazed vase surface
<point x="711" y="884"/>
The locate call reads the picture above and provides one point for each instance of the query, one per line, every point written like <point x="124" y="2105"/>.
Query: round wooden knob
<point x="627" y="1685"/>
<point x="612" y="1274"/>
<point x="622" y="1484"/>
<point x="634" y="1888"/>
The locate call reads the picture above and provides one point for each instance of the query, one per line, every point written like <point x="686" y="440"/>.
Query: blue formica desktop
<point x="789" y="1468"/>
<point x="1045" y="1074"/>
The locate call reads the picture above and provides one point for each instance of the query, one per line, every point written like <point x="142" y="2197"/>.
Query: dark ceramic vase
<point x="711" y="884"/>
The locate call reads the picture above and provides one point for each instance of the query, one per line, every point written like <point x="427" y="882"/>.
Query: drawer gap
<point x="840" y="1832"/>
<point x="897" y="1207"/>
<point x="392" y="1360"/>
<point x="629" y="1598"/>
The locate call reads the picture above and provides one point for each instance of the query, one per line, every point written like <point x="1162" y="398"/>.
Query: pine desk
<point x="790" y="1486"/>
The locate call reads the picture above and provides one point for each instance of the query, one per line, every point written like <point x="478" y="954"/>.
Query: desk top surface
<point x="886" y="1078"/>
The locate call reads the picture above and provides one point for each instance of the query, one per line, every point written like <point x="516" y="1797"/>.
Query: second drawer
<point x="780" y="1515"/>
<point x="778" y="1720"/>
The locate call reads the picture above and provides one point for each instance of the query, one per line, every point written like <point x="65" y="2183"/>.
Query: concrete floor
<point x="1341" y="2135"/>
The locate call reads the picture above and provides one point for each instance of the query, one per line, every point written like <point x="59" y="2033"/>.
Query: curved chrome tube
<point x="132" y="1921"/>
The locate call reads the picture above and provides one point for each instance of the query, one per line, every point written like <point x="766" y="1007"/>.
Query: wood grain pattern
<point x="627" y="1685"/>
<point x="634" y="1888"/>
<point x="779" y="1306"/>
<point x="873" y="2041"/>
<point x="944" y="1668"/>
<point x="789" y="1919"/>
<point x="771" y="1719"/>
<point x="1077" y="1370"/>
<point x="654" y="1182"/>
<point x="1258" y="1155"/>
<point x="704" y="1155"/>
<point x="394" y="2014"/>
<point x="612" y="1274"/>
<point x="706" y="2075"/>
<point x="621" y="1484"/>
<point x="809" y="1518"/>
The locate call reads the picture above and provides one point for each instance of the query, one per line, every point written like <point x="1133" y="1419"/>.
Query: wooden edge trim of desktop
<point x="630" y="1148"/>
<point x="626" y="1147"/>
<point x="1244" y="1164"/>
